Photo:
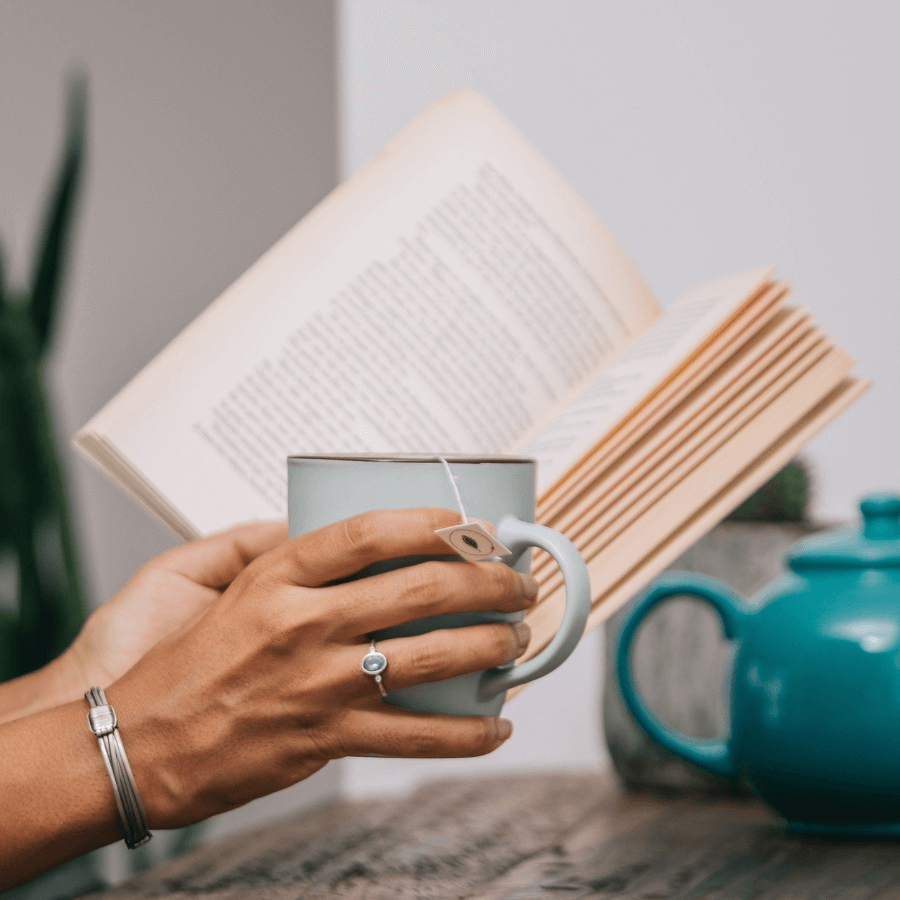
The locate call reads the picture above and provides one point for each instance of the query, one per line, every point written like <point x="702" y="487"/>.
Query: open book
<point x="457" y="296"/>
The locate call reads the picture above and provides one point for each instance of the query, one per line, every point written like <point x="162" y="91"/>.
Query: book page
<point x="607" y="511"/>
<point x="770" y="354"/>
<point x="701" y="365"/>
<point x="443" y="300"/>
<point x="560" y="442"/>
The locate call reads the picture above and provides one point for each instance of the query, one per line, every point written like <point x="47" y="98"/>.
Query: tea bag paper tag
<point x="472" y="542"/>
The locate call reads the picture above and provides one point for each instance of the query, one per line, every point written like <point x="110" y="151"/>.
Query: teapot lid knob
<point x="875" y="546"/>
<point x="881" y="516"/>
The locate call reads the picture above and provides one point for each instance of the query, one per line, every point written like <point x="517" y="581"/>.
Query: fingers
<point x="215" y="561"/>
<point x="427" y="589"/>
<point x="390" y="731"/>
<point x="441" y="654"/>
<point x="346" y="547"/>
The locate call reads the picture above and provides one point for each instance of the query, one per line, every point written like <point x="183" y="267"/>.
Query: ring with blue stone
<point x="374" y="663"/>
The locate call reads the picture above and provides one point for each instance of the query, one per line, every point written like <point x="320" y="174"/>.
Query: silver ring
<point x="373" y="664"/>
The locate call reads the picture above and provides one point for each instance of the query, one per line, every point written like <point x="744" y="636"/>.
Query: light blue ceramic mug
<point x="500" y="490"/>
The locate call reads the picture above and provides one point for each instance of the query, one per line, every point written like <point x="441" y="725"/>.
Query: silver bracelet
<point x="102" y="720"/>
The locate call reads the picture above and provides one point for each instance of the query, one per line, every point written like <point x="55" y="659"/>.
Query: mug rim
<point x="296" y="459"/>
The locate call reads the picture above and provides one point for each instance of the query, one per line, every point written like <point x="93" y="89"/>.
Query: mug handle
<point x="519" y="536"/>
<point x="712" y="755"/>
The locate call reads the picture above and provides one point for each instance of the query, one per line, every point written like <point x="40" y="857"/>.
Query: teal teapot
<point x="815" y="686"/>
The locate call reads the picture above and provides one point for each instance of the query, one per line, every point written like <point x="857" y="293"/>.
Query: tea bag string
<point x="452" y="477"/>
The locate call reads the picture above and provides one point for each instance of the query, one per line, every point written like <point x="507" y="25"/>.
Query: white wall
<point x="709" y="137"/>
<point x="212" y="130"/>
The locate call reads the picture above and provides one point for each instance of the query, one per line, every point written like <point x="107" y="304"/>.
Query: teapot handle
<point x="712" y="755"/>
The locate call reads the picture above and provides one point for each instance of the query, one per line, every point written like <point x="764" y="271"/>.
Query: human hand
<point x="168" y="593"/>
<point x="266" y="686"/>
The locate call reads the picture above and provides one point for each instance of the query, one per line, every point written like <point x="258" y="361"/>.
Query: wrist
<point x="104" y="725"/>
<point x="60" y="681"/>
<point x="152" y="739"/>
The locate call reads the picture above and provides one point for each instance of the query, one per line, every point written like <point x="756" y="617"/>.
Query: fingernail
<point x="504" y="729"/>
<point x="523" y="635"/>
<point x="530" y="587"/>
<point x="484" y="524"/>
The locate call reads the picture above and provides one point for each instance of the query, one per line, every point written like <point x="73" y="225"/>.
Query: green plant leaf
<point x="9" y="657"/>
<point x="45" y="289"/>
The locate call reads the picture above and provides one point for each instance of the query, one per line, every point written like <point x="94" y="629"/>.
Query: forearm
<point x="57" y="799"/>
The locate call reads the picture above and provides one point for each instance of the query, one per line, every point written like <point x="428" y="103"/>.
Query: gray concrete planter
<point x="681" y="661"/>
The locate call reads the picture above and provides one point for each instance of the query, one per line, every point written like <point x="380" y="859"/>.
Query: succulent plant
<point x="783" y="498"/>
<point x="41" y="602"/>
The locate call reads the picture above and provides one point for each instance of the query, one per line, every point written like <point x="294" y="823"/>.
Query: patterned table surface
<point x="547" y="836"/>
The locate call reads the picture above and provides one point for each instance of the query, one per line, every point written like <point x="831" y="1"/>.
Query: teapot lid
<point x="876" y="545"/>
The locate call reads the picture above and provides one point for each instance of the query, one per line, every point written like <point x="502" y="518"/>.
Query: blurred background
<point x="709" y="137"/>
